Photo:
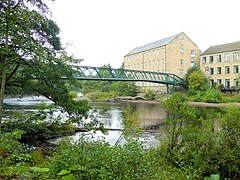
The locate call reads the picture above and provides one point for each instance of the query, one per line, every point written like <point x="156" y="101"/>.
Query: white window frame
<point x="236" y="56"/>
<point x="227" y="57"/>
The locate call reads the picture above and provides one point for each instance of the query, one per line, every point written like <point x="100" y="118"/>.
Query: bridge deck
<point x="111" y="74"/>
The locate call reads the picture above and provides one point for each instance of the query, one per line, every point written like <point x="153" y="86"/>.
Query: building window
<point x="157" y="52"/>
<point x="153" y="63"/>
<point x="193" y="53"/>
<point x="211" y="71"/>
<point x="227" y="69"/>
<point x="181" y="62"/>
<point x="227" y="57"/>
<point x="219" y="70"/>
<point x="235" y="56"/>
<point x="181" y="71"/>
<point x="181" y="52"/>
<point x="211" y="82"/>
<point x="211" y="59"/>
<point x="227" y="83"/>
<point x="236" y="69"/>
<point x="163" y="51"/>
<point x="145" y="64"/>
<point x="162" y="61"/>
<point x="235" y="83"/>
<point x="149" y="64"/>
<point x="193" y="63"/>
<point x="204" y="60"/>
<point x="182" y="41"/>
<point x="219" y="58"/>
<point x="158" y="62"/>
<point x="219" y="81"/>
<point x="153" y="53"/>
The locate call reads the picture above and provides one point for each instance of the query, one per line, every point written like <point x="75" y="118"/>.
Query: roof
<point x="153" y="45"/>
<point x="222" y="48"/>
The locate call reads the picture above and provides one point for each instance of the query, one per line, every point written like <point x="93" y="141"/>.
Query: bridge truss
<point x="110" y="74"/>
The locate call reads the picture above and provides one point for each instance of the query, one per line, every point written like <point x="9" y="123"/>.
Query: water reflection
<point x="110" y="114"/>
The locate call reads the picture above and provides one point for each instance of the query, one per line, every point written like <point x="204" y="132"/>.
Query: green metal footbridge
<point x="110" y="74"/>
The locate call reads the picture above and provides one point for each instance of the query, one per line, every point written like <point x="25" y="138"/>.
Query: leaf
<point x="64" y="172"/>
<point x="69" y="177"/>
<point x="213" y="177"/>
<point x="39" y="170"/>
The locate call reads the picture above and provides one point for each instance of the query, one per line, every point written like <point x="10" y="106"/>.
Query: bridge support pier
<point x="167" y="89"/>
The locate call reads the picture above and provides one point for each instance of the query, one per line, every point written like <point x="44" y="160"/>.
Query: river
<point x="110" y="114"/>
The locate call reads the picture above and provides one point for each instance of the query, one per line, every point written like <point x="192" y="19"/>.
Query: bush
<point x="96" y="160"/>
<point x="124" y="88"/>
<point x="100" y="96"/>
<point x="213" y="96"/>
<point x="190" y="144"/>
<point x="150" y="94"/>
<point x="198" y="81"/>
<point x="73" y="94"/>
<point x="232" y="98"/>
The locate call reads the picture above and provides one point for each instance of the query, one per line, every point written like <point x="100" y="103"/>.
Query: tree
<point x="198" y="81"/>
<point x="31" y="55"/>
<point x="190" y="71"/>
<point x="124" y="88"/>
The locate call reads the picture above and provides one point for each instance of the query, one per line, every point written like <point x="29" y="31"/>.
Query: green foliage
<point x="73" y="94"/>
<point x="231" y="98"/>
<point x="150" y="94"/>
<point x="99" y="96"/>
<point x="38" y="126"/>
<point x="191" y="145"/>
<point x="11" y="154"/>
<point x="209" y="95"/>
<point x="213" y="177"/>
<point x="190" y="71"/>
<point x="189" y="149"/>
<point x="97" y="160"/>
<point x="230" y="143"/>
<point x="198" y="81"/>
<point x="92" y="86"/>
<point x="131" y="121"/>
<point x="110" y="88"/>
<point x="124" y="88"/>
<point x="32" y="58"/>
<point x="212" y="96"/>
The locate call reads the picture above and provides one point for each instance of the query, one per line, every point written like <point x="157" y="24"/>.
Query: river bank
<point x="203" y="104"/>
<point x="137" y="100"/>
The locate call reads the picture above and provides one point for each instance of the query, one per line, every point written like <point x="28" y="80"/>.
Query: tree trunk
<point x="4" y="65"/>
<point x="3" y="82"/>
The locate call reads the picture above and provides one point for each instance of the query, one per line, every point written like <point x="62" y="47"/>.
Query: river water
<point x="110" y="114"/>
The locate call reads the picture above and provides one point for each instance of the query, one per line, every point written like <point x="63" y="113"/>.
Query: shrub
<point x="96" y="160"/>
<point x="150" y="94"/>
<point x="100" y="96"/>
<point x="73" y="94"/>
<point x="212" y="96"/>
<point x="198" y="81"/>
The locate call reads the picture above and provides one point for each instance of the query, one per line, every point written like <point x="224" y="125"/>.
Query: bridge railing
<point x="111" y="74"/>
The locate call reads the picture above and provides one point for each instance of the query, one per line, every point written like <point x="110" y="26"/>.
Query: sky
<point x="103" y="31"/>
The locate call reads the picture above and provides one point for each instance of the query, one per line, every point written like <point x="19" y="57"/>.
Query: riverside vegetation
<point x="33" y="62"/>
<point x="189" y="149"/>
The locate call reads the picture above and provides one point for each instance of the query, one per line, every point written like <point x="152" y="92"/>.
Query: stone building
<point x="174" y="54"/>
<point x="221" y="64"/>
